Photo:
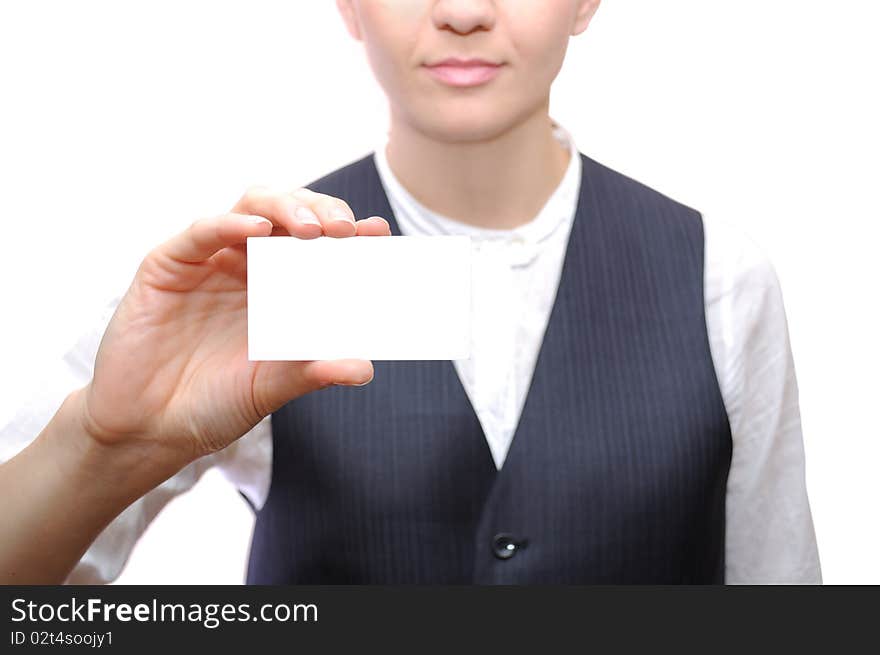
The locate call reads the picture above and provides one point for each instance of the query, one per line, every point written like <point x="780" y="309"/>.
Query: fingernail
<point x="352" y="384"/>
<point x="259" y="219"/>
<point x="307" y="216"/>
<point x="339" y="214"/>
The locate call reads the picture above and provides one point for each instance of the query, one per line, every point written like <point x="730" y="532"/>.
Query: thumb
<point x="277" y="383"/>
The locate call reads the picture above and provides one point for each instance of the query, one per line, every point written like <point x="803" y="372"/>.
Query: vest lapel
<point x="371" y="200"/>
<point x="545" y="401"/>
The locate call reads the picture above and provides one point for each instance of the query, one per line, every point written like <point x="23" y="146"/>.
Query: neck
<point x="499" y="183"/>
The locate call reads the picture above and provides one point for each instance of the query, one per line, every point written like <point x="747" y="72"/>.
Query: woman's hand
<point x="172" y="374"/>
<point x="172" y="382"/>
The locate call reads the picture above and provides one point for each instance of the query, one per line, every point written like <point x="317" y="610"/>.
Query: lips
<point x="463" y="72"/>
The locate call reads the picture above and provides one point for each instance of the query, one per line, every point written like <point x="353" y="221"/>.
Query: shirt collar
<point x="416" y="219"/>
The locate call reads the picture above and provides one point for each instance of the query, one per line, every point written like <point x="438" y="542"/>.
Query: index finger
<point x="207" y="236"/>
<point x="284" y="209"/>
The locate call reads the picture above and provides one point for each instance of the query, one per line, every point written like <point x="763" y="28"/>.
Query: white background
<point x="121" y="123"/>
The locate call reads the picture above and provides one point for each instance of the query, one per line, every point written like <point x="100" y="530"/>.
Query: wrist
<point x="118" y="471"/>
<point x="63" y="489"/>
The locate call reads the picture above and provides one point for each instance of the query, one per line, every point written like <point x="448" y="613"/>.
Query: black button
<point x="505" y="546"/>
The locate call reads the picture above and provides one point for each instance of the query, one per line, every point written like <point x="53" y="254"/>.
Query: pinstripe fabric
<point x="618" y="468"/>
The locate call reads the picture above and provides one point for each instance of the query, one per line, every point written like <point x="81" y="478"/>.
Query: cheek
<point x="400" y="9"/>
<point x="390" y="30"/>
<point x="539" y="32"/>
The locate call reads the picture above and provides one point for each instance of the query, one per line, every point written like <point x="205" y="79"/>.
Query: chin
<point x="461" y="125"/>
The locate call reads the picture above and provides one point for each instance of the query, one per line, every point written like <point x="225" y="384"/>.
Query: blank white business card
<point x="376" y="297"/>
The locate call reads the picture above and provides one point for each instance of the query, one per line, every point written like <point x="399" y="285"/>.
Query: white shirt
<point x="515" y="276"/>
<point x="769" y="530"/>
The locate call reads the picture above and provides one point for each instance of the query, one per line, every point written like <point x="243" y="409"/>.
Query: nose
<point x="464" y="16"/>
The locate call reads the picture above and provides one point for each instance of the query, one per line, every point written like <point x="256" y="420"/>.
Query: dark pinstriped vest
<point x="618" y="468"/>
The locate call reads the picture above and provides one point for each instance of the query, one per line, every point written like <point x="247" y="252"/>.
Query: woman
<point x="629" y="414"/>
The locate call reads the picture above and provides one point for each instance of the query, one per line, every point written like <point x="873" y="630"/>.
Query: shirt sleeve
<point x="246" y="463"/>
<point x="770" y="538"/>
